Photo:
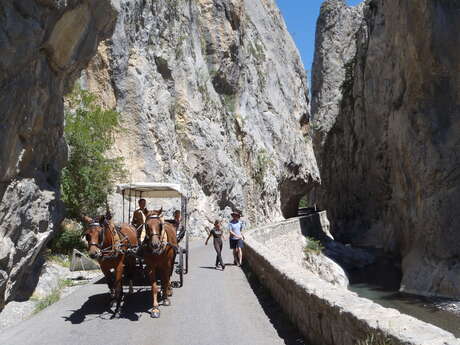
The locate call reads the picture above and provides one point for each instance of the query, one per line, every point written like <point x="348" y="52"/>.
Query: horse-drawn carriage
<point x="163" y="251"/>
<point x="132" y="192"/>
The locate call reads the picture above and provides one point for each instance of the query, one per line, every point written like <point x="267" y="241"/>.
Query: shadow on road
<point x="230" y="264"/>
<point x="286" y="330"/>
<point x="214" y="267"/>
<point x="98" y="306"/>
<point x="95" y="305"/>
<point x="209" y="267"/>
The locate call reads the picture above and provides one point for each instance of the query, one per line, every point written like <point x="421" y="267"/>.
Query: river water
<point x="380" y="283"/>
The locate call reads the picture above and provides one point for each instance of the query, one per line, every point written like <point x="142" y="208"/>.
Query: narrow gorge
<point x="212" y="93"/>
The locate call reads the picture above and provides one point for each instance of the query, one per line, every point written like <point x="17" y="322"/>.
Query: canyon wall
<point x="213" y="96"/>
<point x="44" y="45"/>
<point x="388" y="148"/>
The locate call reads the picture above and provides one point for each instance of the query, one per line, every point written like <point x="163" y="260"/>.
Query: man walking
<point x="235" y="228"/>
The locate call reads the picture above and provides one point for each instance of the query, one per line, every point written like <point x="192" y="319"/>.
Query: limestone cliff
<point x="44" y="45"/>
<point x="335" y="48"/>
<point x="389" y="152"/>
<point x="213" y="96"/>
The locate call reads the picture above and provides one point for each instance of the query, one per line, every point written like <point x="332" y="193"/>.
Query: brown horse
<point x="159" y="251"/>
<point x="109" y="246"/>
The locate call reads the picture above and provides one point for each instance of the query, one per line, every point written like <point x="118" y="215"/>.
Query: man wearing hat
<point x="235" y="228"/>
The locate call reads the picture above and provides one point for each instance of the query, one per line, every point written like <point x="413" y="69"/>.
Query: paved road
<point x="213" y="308"/>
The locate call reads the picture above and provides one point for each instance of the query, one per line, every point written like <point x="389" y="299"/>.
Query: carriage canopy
<point x="150" y="190"/>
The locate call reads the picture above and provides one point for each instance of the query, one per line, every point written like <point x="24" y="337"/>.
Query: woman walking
<point x="217" y="235"/>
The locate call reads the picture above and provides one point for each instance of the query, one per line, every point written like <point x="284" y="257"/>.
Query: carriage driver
<point x="139" y="217"/>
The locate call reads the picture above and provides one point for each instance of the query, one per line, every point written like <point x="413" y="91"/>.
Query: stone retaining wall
<point x="328" y="314"/>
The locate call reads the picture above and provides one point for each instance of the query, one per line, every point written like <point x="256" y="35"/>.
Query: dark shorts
<point x="236" y="243"/>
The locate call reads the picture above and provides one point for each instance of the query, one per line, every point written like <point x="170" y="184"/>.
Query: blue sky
<point x="300" y="17"/>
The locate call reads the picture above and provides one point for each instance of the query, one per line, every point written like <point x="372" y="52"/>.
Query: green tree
<point x="90" y="175"/>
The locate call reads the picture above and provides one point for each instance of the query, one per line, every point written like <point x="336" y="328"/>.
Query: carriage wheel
<point x="181" y="268"/>
<point x="186" y="253"/>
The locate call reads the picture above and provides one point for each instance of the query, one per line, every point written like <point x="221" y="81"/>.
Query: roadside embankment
<point x="328" y="314"/>
<point x="55" y="282"/>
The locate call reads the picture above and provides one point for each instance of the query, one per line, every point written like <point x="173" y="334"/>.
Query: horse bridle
<point x="113" y="248"/>
<point x="102" y="238"/>
<point x="161" y="226"/>
<point x="163" y="244"/>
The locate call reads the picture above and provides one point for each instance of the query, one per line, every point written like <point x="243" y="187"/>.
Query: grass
<point x="347" y="84"/>
<point x="60" y="259"/>
<point x="63" y="283"/>
<point x="372" y="339"/>
<point x="303" y="202"/>
<point x="44" y="302"/>
<point x="229" y="101"/>
<point x="263" y="164"/>
<point x="179" y="47"/>
<point x="257" y="50"/>
<point x="55" y="295"/>
<point x="313" y="246"/>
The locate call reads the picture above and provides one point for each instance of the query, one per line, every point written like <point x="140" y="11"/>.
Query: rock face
<point x="44" y="45"/>
<point x="335" y="48"/>
<point x="388" y="151"/>
<point x="212" y="95"/>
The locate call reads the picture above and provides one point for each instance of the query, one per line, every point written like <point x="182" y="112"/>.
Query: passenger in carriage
<point x="176" y="221"/>
<point x="139" y="217"/>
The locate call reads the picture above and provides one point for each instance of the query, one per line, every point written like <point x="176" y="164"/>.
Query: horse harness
<point x="117" y="241"/>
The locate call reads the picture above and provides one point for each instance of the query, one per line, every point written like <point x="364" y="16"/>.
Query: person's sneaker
<point x="223" y="267"/>
<point x="217" y="267"/>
